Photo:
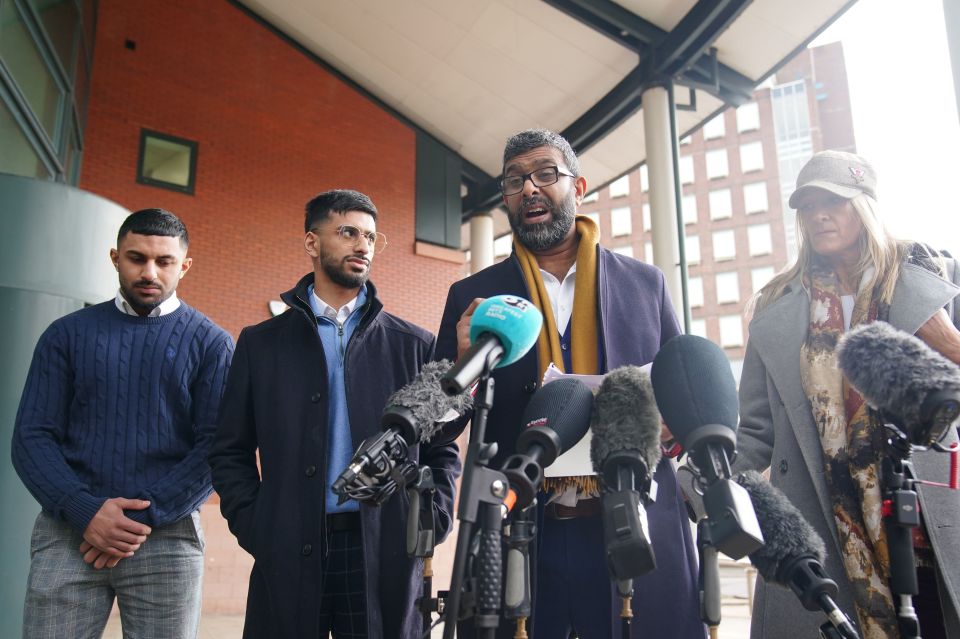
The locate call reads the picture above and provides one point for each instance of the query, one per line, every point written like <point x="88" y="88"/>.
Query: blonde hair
<point x="878" y="249"/>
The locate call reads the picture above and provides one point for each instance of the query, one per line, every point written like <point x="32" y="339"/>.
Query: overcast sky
<point x="905" y="113"/>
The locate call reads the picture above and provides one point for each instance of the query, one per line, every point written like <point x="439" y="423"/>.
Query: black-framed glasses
<point x="351" y="236"/>
<point x="544" y="176"/>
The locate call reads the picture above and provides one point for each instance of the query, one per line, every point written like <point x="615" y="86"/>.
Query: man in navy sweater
<point x="115" y="424"/>
<point x="305" y="389"/>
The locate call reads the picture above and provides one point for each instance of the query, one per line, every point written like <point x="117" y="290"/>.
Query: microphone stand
<point x="421" y="538"/>
<point x="708" y="580"/>
<point x="625" y="590"/>
<point x="516" y="596"/>
<point x="901" y="514"/>
<point x="482" y="491"/>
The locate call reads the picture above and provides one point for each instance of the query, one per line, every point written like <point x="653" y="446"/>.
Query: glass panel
<point x="166" y="161"/>
<point x="22" y="58"/>
<point x="18" y="155"/>
<point x="60" y="20"/>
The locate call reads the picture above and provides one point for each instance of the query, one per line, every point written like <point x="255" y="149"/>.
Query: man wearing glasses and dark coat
<point x="601" y="311"/>
<point x="306" y="388"/>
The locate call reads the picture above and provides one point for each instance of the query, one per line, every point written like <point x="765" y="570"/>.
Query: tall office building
<point x="737" y="172"/>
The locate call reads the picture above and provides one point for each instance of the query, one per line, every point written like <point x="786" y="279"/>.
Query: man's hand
<point x="97" y="558"/>
<point x="112" y="533"/>
<point x="463" y="327"/>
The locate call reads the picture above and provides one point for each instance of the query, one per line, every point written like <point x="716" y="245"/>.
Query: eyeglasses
<point x="351" y="236"/>
<point x="513" y="184"/>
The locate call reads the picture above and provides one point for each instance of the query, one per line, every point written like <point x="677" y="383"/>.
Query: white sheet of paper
<point x="576" y="461"/>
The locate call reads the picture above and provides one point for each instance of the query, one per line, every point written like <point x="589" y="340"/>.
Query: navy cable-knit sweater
<point x="122" y="406"/>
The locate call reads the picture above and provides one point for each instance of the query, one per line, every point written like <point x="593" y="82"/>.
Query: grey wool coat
<point x="777" y="431"/>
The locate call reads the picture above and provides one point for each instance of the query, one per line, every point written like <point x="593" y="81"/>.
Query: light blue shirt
<point x="335" y="327"/>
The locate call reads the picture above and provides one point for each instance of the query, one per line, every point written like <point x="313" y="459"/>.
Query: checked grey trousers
<point x="158" y="590"/>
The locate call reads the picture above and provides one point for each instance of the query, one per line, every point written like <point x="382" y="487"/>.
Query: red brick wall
<point x="274" y="128"/>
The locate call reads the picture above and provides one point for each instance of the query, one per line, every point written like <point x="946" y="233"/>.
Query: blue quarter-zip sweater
<point x="335" y="338"/>
<point x="122" y="406"/>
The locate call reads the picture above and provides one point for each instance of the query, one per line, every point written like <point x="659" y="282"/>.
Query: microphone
<point x="502" y="329"/>
<point x="414" y="414"/>
<point x="914" y="387"/>
<point x="697" y="396"/>
<point x="556" y="418"/>
<point x="792" y="553"/>
<point x="625" y="451"/>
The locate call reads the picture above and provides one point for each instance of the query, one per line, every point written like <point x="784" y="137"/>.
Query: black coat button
<point x="563" y="347"/>
<point x="529" y="387"/>
<point x="316" y="397"/>
<point x="311" y="470"/>
<point x="306" y="550"/>
<point x="783" y="466"/>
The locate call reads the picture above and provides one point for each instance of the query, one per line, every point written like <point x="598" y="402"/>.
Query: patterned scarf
<point x="852" y="443"/>
<point x="583" y="326"/>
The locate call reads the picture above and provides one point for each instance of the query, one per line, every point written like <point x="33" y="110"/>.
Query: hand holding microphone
<point x="502" y="329"/>
<point x="412" y="415"/>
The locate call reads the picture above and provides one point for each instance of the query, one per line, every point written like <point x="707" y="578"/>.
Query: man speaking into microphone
<point x="601" y="311"/>
<point x="305" y="388"/>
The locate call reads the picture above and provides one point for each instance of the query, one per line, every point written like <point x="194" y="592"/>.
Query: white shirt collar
<point x="168" y="305"/>
<point x="339" y="315"/>
<point x="561" y="295"/>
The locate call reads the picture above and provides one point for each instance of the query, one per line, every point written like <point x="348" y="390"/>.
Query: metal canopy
<point x="472" y="73"/>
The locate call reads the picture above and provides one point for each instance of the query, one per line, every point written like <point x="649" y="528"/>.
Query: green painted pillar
<point x="54" y="259"/>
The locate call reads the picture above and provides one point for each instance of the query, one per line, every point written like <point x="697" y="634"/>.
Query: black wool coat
<point x="275" y="404"/>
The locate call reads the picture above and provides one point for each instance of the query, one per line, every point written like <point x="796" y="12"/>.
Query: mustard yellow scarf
<point x="583" y="322"/>
<point x="583" y="326"/>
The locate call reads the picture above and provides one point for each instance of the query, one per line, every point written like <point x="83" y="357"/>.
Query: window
<point x="620" y="221"/>
<point x="698" y="327"/>
<point x="695" y="291"/>
<point x="503" y="245"/>
<point x="748" y="117"/>
<point x="645" y="210"/>
<point x="759" y="240"/>
<point x="594" y="216"/>
<point x="731" y="331"/>
<point x="691" y="245"/>
<point x="714" y="128"/>
<point x="755" y="197"/>
<point x="167" y="161"/>
<point x="18" y="155"/>
<point x="648" y="252"/>
<point x="760" y="276"/>
<point x="717" y="164"/>
<point x="591" y="197"/>
<point x="644" y="179"/>
<point x="728" y="287"/>
<point x="620" y="186"/>
<point x="724" y="245"/>
<point x="721" y="206"/>
<point x="689" y="205"/>
<point x="624" y="250"/>
<point x="685" y="140"/>
<point x="751" y="156"/>
<point x="736" y="367"/>
<point x="686" y="169"/>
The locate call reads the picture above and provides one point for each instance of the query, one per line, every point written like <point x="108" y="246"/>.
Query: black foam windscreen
<point x="894" y="371"/>
<point x="625" y="417"/>
<point x="563" y="406"/>
<point x="426" y="402"/>
<point x="786" y="534"/>
<point x="693" y="385"/>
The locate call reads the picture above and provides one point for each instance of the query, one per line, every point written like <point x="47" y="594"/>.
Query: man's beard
<point x="137" y="302"/>
<point x="544" y="235"/>
<point x="336" y="270"/>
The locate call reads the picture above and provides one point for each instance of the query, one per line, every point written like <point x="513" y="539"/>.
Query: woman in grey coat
<point x="800" y="419"/>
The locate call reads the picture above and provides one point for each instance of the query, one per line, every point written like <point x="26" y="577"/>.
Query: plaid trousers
<point x="158" y="590"/>
<point x="343" y="606"/>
